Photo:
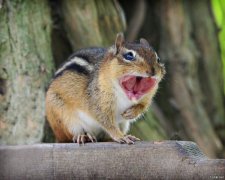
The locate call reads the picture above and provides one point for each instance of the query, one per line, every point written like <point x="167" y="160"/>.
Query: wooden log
<point x="144" y="160"/>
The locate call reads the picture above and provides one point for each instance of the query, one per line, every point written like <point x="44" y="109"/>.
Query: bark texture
<point x="103" y="20"/>
<point x="210" y="64"/>
<point x="190" y="53"/>
<point x="25" y="69"/>
<point x="143" y="160"/>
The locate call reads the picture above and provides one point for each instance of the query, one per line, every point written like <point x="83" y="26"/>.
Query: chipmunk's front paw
<point x="84" y="138"/>
<point x="128" y="139"/>
<point x="133" y="112"/>
<point x="129" y="114"/>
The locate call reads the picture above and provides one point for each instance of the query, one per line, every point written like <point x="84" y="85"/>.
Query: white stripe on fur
<point x="78" y="61"/>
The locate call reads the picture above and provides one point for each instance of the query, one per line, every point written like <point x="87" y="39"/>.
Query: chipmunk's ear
<point x="119" y="42"/>
<point x="144" y="42"/>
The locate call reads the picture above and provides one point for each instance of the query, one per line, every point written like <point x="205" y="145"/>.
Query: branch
<point x="144" y="160"/>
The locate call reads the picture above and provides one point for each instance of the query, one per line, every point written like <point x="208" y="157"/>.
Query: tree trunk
<point x="92" y="23"/>
<point x="25" y="69"/>
<point x="185" y="46"/>
<point x="209" y="61"/>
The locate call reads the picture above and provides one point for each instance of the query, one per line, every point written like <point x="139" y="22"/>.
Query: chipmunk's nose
<point x="151" y="72"/>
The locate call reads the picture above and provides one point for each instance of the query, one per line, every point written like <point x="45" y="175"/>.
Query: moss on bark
<point x="25" y="69"/>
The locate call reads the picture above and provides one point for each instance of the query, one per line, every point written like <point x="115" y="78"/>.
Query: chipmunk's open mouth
<point x="136" y="86"/>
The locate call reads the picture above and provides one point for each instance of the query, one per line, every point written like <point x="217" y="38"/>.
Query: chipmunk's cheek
<point x="135" y="86"/>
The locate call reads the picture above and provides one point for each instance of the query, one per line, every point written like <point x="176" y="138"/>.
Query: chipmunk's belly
<point x="89" y="124"/>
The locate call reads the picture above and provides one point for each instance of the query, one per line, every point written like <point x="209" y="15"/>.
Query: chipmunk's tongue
<point x="136" y="86"/>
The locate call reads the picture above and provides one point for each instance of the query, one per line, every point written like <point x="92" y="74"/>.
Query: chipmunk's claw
<point x="133" y="138"/>
<point x="127" y="139"/>
<point x="84" y="138"/>
<point x="91" y="138"/>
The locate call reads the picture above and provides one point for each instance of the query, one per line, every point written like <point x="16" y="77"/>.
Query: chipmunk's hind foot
<point x="84" y="138"/>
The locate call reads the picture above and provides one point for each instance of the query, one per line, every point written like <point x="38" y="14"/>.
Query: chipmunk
<point x="98" y="92"/>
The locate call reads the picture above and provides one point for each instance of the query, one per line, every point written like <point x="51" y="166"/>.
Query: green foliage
<point x="218" y="7"/>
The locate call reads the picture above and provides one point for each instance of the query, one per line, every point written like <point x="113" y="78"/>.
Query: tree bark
<point x="184" y="56"/>
<point x="92" y="23"/>
<point x="210" y="64"/>
<point x="25" y="69"/>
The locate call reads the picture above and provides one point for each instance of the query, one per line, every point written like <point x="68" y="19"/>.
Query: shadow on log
<point x="144" y="160"/>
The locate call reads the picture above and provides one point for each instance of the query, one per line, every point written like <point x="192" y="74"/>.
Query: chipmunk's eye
<point x="158" y="60"/>
<point x="129" y="56"/>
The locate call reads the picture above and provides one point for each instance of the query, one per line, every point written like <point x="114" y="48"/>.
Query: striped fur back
<point x="82" y="61"/>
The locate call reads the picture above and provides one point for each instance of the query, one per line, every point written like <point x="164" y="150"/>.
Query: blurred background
<point x="37" y="36"/>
